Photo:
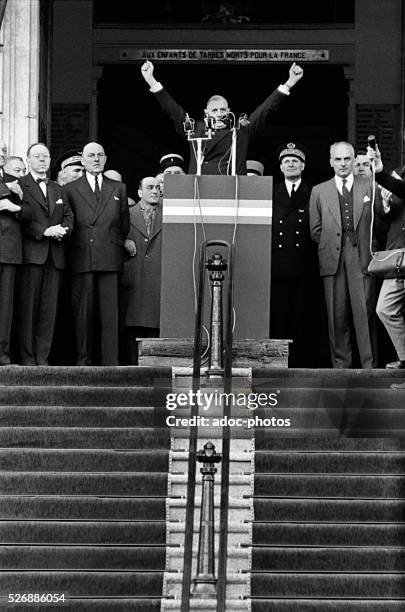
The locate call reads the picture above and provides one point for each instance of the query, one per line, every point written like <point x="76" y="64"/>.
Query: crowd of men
<point x="111" y="246"/>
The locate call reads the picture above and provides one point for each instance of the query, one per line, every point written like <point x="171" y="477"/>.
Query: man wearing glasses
<point x="43" y="258"/>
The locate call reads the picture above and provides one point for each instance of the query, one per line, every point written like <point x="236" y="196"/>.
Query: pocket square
<point x="116" y="198"/>
<point x="366" y="199"/>
<point x="60" y="201"/>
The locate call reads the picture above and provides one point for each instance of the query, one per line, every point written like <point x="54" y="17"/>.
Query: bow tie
<point x="42" y="180"/>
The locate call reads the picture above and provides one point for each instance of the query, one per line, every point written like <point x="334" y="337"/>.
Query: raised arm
<point x="176" y="113"/>
<point x="271" y="104"/>
<point x="147" y="71"/>
<point x="295" y="74"/>
<point x="396" y="186"/>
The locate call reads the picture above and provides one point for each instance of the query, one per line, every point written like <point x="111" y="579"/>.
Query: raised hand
<point x="294" y="75"/>
<point x="147" y="72"/>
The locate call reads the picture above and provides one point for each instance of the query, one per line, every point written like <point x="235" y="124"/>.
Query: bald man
<point x="100" y="206"/>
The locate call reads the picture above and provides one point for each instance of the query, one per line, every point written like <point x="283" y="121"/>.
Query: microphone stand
<point x="233" y="151"/>
<point x="189" y="128"/>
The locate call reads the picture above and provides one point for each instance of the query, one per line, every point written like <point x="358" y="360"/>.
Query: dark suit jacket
<point x="97" y="239"/>
<point x="216" y="151"/>
<point x="397" y="186"/>
<point x="142" y="273"/>
<point x="10" y="233"/>
<point x="293" y="250"/>
<point x="36" y="246"/>
<point x="395" y="218"/>
<point x="326" y="225"/>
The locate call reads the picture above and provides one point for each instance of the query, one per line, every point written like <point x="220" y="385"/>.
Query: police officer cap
<point x="70" y="158"/>
<point x="171" y="159"/>
<point x="254" y="167"/>
<point x="291" y="150"/>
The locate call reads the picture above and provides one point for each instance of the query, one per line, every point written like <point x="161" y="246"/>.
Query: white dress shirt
<point x="91" y="179"/>
<point x="339" y="183"/>
<point x="289" y="185"/>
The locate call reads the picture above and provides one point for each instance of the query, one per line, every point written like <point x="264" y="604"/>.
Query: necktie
<point x="42" y="182"/>
<point x="96" y="188"/>
<point x="292" y="190"/>
<point x="345" y="191"/>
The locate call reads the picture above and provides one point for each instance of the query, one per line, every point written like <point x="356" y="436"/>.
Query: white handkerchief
<point x="366" y="199"/>
<point x="116" y="198"/>
<point x="60" y="201"/>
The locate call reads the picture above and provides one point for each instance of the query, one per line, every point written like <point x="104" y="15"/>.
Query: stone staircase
<point x="93" y="491"/>
<point x="84" y="458"/>
<point x="329" y="495"/>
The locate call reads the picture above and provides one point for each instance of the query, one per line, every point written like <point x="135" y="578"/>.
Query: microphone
<point x="243" y="120"/>
<point x="188" y="124"/>
<point x="371" y="141"/>
<point x="209" y="122"/>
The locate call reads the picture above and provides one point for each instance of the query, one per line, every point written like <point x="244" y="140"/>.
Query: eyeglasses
<point x="39" y="155"/>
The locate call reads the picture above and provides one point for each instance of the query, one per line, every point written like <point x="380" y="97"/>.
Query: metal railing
<point x="227" y="383"/>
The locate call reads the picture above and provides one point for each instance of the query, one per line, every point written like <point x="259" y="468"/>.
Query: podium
<point x="233" y="208"/>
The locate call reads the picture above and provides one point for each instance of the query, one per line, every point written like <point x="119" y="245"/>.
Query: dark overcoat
<point x="142" y="273"/>
<point x="10" y="232"/>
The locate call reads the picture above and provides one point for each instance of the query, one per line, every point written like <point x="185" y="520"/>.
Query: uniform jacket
<point x="97" y="240"/>
<point x="55" y="211"/>
<point x="293" y="250"/>
<point x="142" y="273"/>
<point x="10" y="232"/>
<point x="326" y="226"/>
<point x="216" y="151"/>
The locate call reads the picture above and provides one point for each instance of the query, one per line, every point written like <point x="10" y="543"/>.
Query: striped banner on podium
<point x="217" y="199"/>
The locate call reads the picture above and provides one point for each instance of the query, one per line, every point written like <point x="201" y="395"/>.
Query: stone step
<point x="84" y="437"/>
<point x="376" y="559"/>
<point x="237" y="558"/>
<point x="330" y="485"/>
<point x="109" y="558"/>
<point x="82" y="396"/>
<point x="328" y="534"/>
<point x="121" y="376"/>
<point x="329" y="510"/>
<point x="84" y="483"/>
<point x="87" y="416"/>
<point x="300" y="604"/>
<point x="84" y="584"/>
<point x="110" y="532"/>
<point x="240" y="484"/>
<point x="90" y="604"/>
<point x="237" y="583"/>
<point x="330" y="462"/>
<point x="85" y="508"/>
<point x="74" y="460"/>
<point x="239" y="534"/>
<point x="232" y="605"/>
<point x="332" y="585"/>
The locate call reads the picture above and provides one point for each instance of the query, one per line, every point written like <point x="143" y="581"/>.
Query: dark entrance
<point x="136" y="133"/>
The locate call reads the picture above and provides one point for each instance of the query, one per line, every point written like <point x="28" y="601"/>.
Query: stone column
<point x="19" y="75"/>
